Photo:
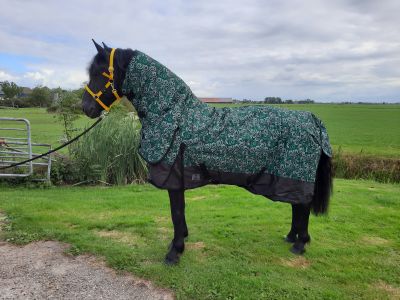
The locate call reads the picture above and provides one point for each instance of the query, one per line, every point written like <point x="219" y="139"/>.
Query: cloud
<point x="324" y="50"/>
<point x="4" y="76"/>
<point x="52" y="78"/>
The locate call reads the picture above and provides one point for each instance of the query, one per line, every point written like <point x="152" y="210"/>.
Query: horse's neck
<point x="122" y="59"/>
<point x="188" y="102"/>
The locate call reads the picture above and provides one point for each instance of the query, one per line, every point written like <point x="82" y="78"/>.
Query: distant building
<point x="216" y="100"/>
<point x="26" y="92"/>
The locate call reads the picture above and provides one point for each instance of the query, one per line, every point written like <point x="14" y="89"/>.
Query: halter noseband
<point x="110" y="83"/>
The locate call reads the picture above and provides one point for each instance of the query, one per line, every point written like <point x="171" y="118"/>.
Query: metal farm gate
<point x="16" y="145"/>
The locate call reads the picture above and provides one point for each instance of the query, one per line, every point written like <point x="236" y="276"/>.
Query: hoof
<point x="173" y="255"/>
<point x="289" y="239"/>
<point x="298" y="250"/>
<point x="171" y="261"/>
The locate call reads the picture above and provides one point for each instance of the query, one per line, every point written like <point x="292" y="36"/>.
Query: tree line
<point x="278" y="100"/>
<point x="40" y="96"/>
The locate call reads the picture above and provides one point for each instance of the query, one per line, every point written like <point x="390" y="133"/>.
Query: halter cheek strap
<point x="110" y="83"/>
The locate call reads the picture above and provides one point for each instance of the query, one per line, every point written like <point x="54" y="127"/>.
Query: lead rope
<point x="56" y="149"/>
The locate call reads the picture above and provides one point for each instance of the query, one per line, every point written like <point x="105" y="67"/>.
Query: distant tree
<point x="68" y="110"/>
<point x="289" y="101"/>
<point x="41" y="96"/>
<point x="273" y="100"/>
<point x="306" y="101"/>
<point x="11" y="91"/>
<point x="79" y="92"/>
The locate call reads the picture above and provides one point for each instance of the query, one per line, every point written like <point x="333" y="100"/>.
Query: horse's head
<point x="101" y="91"/>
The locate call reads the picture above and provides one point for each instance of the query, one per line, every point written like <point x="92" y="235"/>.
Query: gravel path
<point x="41" y="270"/>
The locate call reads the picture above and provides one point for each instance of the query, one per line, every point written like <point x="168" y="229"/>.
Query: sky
<point x="328" y="51"/>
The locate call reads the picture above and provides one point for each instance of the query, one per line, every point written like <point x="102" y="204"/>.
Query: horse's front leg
<point x="177" y="201"/>
<point x="301" y="215"/>
<point x="292" y="235"/>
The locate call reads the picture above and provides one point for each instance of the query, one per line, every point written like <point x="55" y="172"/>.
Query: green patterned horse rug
<point x="187" y="144"/>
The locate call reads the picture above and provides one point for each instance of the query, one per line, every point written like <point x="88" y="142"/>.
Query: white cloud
<point x="4" y="76"/>
<point x="294" y="49"/>
<point x="47" y="77"/>
<point x="35" y="76"/>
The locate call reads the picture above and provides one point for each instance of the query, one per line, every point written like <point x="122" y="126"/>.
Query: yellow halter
<point x="110" y="83"/>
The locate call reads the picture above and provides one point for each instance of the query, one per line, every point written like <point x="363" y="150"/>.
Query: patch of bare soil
<point x="374" y="240"/>
<point x="41" y="270"/>
<point x="299" y="262"/>
<point x="195" y="245"/>
<point x="196" y="198"/>
<point x="393" y="292"/>
<point x="120" y="236"/>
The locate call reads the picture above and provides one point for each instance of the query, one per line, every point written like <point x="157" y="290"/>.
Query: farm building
<point x="216" y="100"/>
<point x="26" y="92"/>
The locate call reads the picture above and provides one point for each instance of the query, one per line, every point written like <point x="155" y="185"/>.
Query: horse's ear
<point x="106" y="47"/>
<point x="98" y="47"/>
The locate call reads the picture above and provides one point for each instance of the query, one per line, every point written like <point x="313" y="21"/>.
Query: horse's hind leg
<point x="292" y="235"/>
<point x="185" y="228"/>
<point x="301" y="226"/>
<point x="177" y="246"/>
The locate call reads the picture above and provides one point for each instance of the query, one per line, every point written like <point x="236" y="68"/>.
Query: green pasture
<point x="44" y="126"/>
<point x="235" y="248"/>
<point x="368" y="129"/>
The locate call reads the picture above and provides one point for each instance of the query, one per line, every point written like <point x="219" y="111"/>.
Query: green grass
<point x="44" y="126"/>
<point x="370" y="129"/>
<point x="235" y="248"/>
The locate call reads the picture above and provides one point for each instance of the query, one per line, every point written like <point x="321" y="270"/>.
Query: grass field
<point x="370" y="129"/>
<point x="44" y="126"/>
<point x="235" y="248"/>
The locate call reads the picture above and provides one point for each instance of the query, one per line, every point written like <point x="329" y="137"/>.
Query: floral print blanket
<point x="238" y="140"/>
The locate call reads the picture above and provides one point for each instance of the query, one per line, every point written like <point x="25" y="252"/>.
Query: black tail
<point x="323" y="186"/>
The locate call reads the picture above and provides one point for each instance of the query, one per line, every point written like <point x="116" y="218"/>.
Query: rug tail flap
<point x="323" y="137"/>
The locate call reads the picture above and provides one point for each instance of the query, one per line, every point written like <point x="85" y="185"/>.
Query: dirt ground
<point x="41" y="270"/>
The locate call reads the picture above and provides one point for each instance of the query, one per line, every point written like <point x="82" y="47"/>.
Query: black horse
<point x="105" y="86"/>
